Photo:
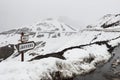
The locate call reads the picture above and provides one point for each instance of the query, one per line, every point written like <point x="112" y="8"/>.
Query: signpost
<point x="24" y="45"/>
<point x="25" y="38"/>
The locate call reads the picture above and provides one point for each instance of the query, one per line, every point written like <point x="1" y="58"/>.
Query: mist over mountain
<point x="74" y="23"/>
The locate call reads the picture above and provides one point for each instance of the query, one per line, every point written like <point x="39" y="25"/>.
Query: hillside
<point x="67" y="56"/>
<point x="107" y="22"/>
<point x="43" y="32"/>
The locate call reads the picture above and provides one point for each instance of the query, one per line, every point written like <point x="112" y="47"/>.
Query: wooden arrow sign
<point x="26" y="46"/>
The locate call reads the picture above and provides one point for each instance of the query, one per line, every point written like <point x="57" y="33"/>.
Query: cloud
<point x="15" y="13"/>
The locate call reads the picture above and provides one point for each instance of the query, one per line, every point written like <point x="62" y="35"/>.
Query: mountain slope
<point x="109" y="21"/>
<point x="48" y="28"/>
<point x="63" y="57"/>
<point x="42" y="33"/>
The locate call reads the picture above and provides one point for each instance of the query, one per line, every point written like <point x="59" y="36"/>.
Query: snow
<point x="99" y="53"/>
<point x="48" y="25"/>
<point x="77" y="59"/>
<point x="76" y="54"/>
<point x="114" y="42"/>
<point x="79" y="39"/>
<point x="42" y="69"/>
<point x="54" y="44"/>
<point x="74" y="63"/>
<point x="107" y="19"/>
<point x="9" y="39"/>
<point x="37" y="70"/>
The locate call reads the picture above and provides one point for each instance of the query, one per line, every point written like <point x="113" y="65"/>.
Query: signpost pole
<point x="24" y="45"/>
<point x="22" y="53"/>
<point x="22" y="56"/>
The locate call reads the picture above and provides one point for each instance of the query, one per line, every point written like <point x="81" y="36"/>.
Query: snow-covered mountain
<point x="64" y="57"/>
<point x="48" y="28"/>
<point x="107" y="22"/>
<point x="46" y="25"/>
<point x="44" y="32"/>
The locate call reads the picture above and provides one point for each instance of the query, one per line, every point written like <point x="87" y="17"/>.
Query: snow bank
<point x="97" y="52"/>
<point x="76" y="63"/>
<point x="41" y="69"/>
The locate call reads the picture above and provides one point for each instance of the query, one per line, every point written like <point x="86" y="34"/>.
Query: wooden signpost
<point x="24" y="45"/>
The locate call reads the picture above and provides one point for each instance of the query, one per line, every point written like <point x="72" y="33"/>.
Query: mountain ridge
<point x="109" y="21"/>
<point x="48" y="25"/>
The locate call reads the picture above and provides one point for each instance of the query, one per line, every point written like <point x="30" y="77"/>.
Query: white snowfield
<point x="78" y="60"/>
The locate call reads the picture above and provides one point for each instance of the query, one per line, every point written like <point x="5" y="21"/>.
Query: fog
<point x="79" y="13"/>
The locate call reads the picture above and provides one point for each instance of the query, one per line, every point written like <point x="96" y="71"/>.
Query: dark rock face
<point x="106" y="24"/>
<point x="60" y="53"/>
<point x="111" y="25"/>
<point x="6" y="51"/>
<point x="56" y="55"/>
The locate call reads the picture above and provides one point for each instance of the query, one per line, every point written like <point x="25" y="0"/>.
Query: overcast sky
<point x="15" y="13"/>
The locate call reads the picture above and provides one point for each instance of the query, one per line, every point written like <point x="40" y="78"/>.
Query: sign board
<point x="26" y="46"/>
<point x="25" y="38"/>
